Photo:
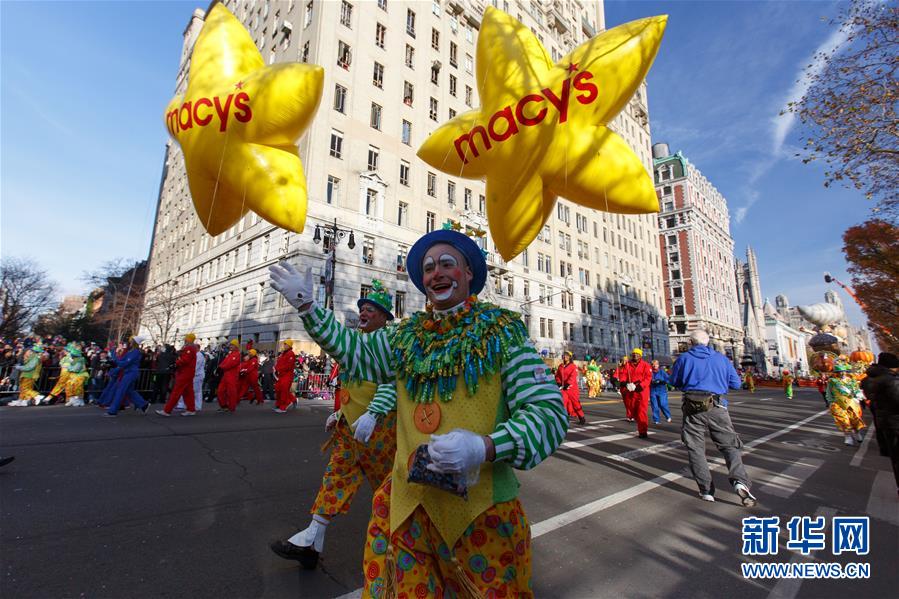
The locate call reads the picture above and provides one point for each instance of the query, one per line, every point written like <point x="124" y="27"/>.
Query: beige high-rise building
<point x="394" y="71"/>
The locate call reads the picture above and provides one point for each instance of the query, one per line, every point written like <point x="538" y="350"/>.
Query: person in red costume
<point x="620" y="375"/>
<point x="185" y="365"/>
<point x="249" y="378"/>
<point x="229" y="386"/>
<point x="284" y="397"/>
<point x="635" y="379"/>
<point x="566" y="379"/>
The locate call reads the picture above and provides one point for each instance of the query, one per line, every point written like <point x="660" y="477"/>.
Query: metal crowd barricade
<point x="313" y="385"/>
<point x="98" y="379"/>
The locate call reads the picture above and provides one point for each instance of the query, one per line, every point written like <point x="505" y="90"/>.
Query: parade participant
<point x="60" y="387"/>
<point x="77" y="375"/>
<point x="367" y="455"/>
<point x="474" y="401"/>
<point x="129" y="370"/>
<point x="566" y="379"/>
<point x="29" y="373"/>
<point x="635" y="378"/>
<point x="594" y="379"/>
<point x="199" y="375"/>
<point x="249" y="378"/>
<point x="749" y="379"/>
<point x="658" y="393"/>
<point x="618" y="378"/>
<point x="844" y="397"/>
<point x="705" y="376"/>
<point x="228" y="387"/>
<point x="788" y="384"/>
<point x="284" y="397"/>
<point x="185" y="368"/>
<point x="881" y="387"/>
<point x="821" y="384"/>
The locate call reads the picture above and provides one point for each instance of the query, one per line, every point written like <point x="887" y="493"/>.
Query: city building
<point x="851" y="337"/>
<point x="697" y="255"/>
<point x="786" y="344"/>
<point x="394" y="71"/>
<point x="752" y="315"/>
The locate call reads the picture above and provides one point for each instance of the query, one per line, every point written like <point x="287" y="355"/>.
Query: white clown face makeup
<point x="446" y="276"/>
<point x="371" y="319"/>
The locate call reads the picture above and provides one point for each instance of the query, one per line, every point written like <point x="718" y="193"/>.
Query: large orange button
<point x="427" y="417"/>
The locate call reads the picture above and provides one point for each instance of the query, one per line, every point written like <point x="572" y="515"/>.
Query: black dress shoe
<point x="582" y="420"/>
<point x="307" y="556"/>
<point x="6" y="460"/>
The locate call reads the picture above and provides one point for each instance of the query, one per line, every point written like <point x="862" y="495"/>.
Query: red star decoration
<point x="572" y="67"/>
<point x="238" y="85"/>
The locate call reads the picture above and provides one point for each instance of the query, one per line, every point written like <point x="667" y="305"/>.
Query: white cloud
<point x="740" y="214"/>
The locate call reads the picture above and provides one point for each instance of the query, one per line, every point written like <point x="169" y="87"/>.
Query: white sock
<point x="313" y="536"/>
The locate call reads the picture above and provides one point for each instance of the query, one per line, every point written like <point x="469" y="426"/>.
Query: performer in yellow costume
<point x="62" y="382"/>
<point x="474" y="400"/>
<point x="594" y="379"/>
<point x="844" y="397"/>
<point x="30" y="372"/>
<point x="78" y="374"/>
<point x="366" y="455"/>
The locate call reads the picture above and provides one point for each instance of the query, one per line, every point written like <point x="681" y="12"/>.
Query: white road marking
<point x="788" y="588"/>
<point x="592" y="425"/>
<point x="788" y="482"/>
<point x="597" y="440"/>
<point x="860" y="453"/>
<point x="882" y="501"/>
<point x="652" y="449"/>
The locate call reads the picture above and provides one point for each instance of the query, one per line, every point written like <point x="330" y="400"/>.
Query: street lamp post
<point x="332" y="235"/>
<point x="733" y="345"/>
<point x="652" y="342"/>
<point x="625" y="282"/>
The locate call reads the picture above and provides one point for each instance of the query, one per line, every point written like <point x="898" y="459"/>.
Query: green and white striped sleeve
<point x="384" y="400"/>
<point x="538" y="422"/>
<point x="361" y="356"/>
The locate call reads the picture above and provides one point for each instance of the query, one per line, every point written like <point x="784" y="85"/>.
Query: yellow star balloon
<point x="238" y="123"/>
<point x="541" y="131"/>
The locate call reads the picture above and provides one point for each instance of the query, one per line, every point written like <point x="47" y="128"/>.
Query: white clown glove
<point x="295" y="287"/>
<point x="331" y="422"/>
<point x="631" y="386"/>
<point x="365" y="426"/>
<point x="458" y="451"/>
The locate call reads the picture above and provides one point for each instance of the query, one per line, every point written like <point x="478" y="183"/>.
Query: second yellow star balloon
<point x="541" y="131"/>
<point x="238" y="123"/>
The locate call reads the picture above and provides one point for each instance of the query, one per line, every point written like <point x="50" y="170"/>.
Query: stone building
<point x="752" y="316"/>
<point x="697" y="255"/>
<point x="786" y="343"/>
<point x="394" y="71"/>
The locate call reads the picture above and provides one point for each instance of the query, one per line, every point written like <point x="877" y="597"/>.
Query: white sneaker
<point x="46" y="400"/>
<point x="859" y="437"/>
<point x="16" y="403"/>
<point x="849" y="440"/>
<point x="39" y="398"/>
<point x="188" y="413"/>
<point x="279" y="411"/>
<point x="77" y="402"/>
<point x="748" y="499"/>
<point x="163" y="413"/>
<point x="707" y="497"/>
<point x="69" y="402"/>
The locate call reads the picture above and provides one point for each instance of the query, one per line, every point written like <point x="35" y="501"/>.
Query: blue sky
<point x="84" y="86"/>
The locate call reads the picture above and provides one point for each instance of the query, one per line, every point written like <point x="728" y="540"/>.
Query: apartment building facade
<point x="394" y="71"/>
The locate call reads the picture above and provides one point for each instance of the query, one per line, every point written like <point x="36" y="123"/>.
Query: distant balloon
<point x="821" y="314"/>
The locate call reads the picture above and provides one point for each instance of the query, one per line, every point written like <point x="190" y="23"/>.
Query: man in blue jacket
<point x="658" y="393"/>
<point x="705" y="375"/>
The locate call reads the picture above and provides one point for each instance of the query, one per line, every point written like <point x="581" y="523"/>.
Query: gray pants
<point x="726" y="439"/>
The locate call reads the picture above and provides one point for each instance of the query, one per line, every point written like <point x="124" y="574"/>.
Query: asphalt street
<point x="144" y="506"/>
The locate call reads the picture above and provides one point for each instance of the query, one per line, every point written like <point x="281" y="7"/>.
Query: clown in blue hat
<point x="473" y="402"/>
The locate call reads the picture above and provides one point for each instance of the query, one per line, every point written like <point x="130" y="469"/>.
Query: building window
<point x="675" y="275"/>
<point x="677" y="292"/>
<point x="468" y="95"/>
<point x="382" y="4"/>
<point x="377" y="77"/>
<point x="430" y="222"/>
<point x="466" y="195"/>
<point x="371" y="202"/>
<point x="368" y="250"/>
<point x="332" y="189"/>
<point x="482" y="204"/>
<point x="435" y="72"/>
<point x="549" y="328"/>
<point x="380" y="35"/>
<point x="375" y="121"/>
<point x="304" y="57"/>
<point x="672" y="240"/>
<point x="452" y="85"/>
<point x="408" y="95"/>
<point x="666" y="190"/>
<point x="373" y="156"/>
<point x="346" y="14"/>
<point x="404" y="173"/>
<point x="452" y="113"/>
<point x="307" y="17"/>
<point x="344" y="55"/>
<point x="454" y="53"/>
<point x="435" y="39"/>
<point x="399" y="304"/>
<point x="432" y="109"/>
<point x="543" y="327"/>
<point x="410" y="56"/>
<point x="469" y="63"/>
<point x="402" y="214"/>
<point x="679" y="311"/>
<point x="401" y="253"/>
<point x="336" y="143"/>
<point x="435" y="8"/>
<point x="410" y="22"/>
<point x="668" y="207"/>
<point x="432" y="185"/>
<point x="364" y="290"/>
<point x="407" y="132"/>
<point x="340" y="98"/>
<point x="450" y="193"/>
